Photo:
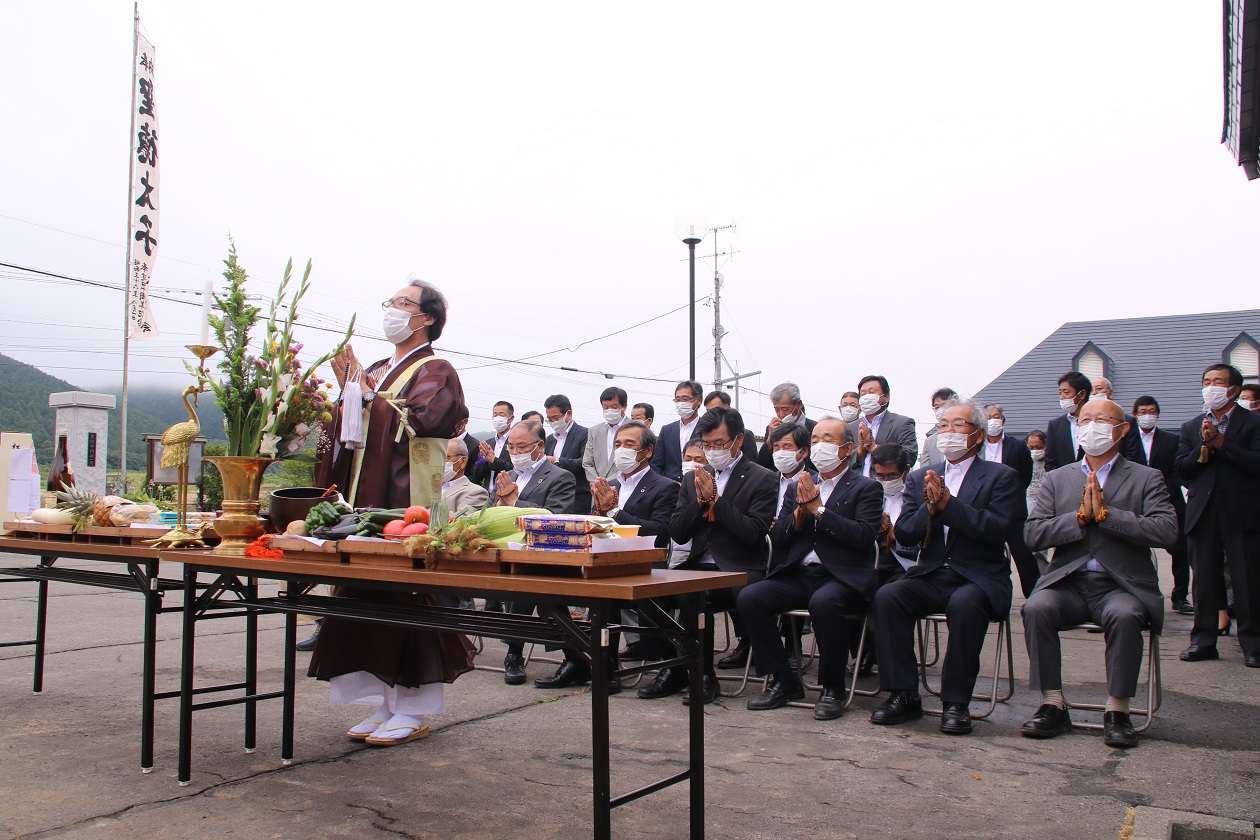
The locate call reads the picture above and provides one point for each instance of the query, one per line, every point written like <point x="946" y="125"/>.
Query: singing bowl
<point x="292" y="503"/>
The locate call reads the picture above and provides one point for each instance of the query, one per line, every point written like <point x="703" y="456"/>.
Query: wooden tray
<point x="394" y="554"/>
<point x="581" y="563"/>
<point x="93" y="533"/>
<point x="295" y="548"/>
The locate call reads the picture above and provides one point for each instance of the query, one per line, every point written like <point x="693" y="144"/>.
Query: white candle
<point x="206" y="298"/>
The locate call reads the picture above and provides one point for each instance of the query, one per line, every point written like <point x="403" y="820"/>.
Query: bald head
<point x="1102" y="409"/>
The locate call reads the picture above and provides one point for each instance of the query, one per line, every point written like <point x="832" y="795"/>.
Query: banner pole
<point x="131" y="172"/>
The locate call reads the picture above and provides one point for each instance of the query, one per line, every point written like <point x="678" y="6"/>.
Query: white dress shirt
<point x="824" y="495"/>
<point x="523" y="477"/>
<point x="1148" y="440"/>
<point x="874" y="423"/>
<point x="630" y="483"/>
<point x="954" y="475"/>
<point x="784" y="483"/>
<point x="560" y="436"/>
<point x="685" y="432"/>
<point x="1092" y="564"/>
<point x="993" y="451"/>
<point x="1074" y="428"/>
<point x="892" y="507"/>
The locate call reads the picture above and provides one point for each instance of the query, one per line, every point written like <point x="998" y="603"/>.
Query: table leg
<point x="148" y="665"/>
<point x="251" y="668"/>
<point x="187" y="647"/>
<point x="41" y="627"/>
<point x="290" y="684"/>
<point x="600" y="735"/>
<point x="695" y="735"/>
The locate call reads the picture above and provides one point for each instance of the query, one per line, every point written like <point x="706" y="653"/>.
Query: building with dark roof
<point x="1163" y="356"/>
<point x="1241" y="132"/>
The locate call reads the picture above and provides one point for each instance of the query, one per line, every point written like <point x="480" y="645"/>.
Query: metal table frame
<point x="234" y="588"/>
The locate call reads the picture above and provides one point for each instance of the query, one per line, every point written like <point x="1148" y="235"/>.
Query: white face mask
<point x="719" y="459"/>
<point x="869" y="403"/>
<point x="892" y="486"/>
<point x="1093" y="397"/>
<point x="395" y="323"/>
<point x="559" y="426"/>
<point x="448" y="474"/>
<point x="995" y="426"/>
<point x="939" y="411"/>
<point x="826" y="456"/>
<point x="1068" y="405"/>
<point x="848" y="413"/>
<point x="1252" y="405"/>
<point x="1146" y="422"/>
<point x="785" y="460"/>
<point x="690" y="466"/>
<point x="685" y="409"/>
<point x="612" y="416"/>
<point x="500" y="423"/>
<point x="1095" y="438"/>
<point x="625" y="460"/>
<point x="522" y="460"/>
<point x="953" y="445"/>
<point x="1037" y="454"/>
<point x="790" y="419"/>
<point x="1216" y="397"/>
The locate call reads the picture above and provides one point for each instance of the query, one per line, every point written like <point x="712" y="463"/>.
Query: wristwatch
<point x="818" y="514"/>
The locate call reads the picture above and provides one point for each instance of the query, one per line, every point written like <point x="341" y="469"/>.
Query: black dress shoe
<point x="1224" y="631"/>
<point x="308" y="644"/>
<point x="709" y="690"/>
<point x="1199" y="653"/>
<point x="1183" y="607"/>
<point x="780" y="693"/>
<point x="569" y="673"/>
<point x="631" y="652"/>
<point x="514" y="669"/>
<point x="829" y="705"/>
<point x="868" y="662"/>
<point x="668" y="681"/>
<point x="737" y="658"/>
<point x="1118" y="730"/>
<point x="955" y="719"/>
<point x="1252" y="660"/>
<point x="899" y="708"/>
<point x="1049" y="721"/>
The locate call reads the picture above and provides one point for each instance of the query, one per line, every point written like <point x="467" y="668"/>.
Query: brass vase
<point x="240" y="523"/>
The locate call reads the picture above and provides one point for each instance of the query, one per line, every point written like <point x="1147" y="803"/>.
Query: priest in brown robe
<point x="388" y="448"/>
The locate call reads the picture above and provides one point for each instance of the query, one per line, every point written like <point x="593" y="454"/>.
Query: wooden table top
<point x="79" y="549"/>
<point x="658" y="583"/>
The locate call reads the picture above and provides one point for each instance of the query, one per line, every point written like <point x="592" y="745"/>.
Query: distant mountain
<point x="24" y="391"/>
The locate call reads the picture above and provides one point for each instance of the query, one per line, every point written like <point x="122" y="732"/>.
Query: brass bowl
<point x="290" y="504"/>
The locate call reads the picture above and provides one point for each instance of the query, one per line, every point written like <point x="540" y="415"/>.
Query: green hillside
<point x="24" y="408"/>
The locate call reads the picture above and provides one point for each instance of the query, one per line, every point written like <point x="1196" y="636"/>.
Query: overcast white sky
<point x="922" y="190"/>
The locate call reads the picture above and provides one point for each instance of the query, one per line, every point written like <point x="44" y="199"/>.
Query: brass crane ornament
<point x="176" y="446"/>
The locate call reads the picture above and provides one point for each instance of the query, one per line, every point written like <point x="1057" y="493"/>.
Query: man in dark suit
<point x="1001" y="448"/>
<point x="1061" y="446"/>
<point x="724" y="510"/>
<point x="824" y="539"/>
<point x="789" y="409"/>
<point x="721" y="399"/>
<point x="1157" y="449"/>
<point x="565" y="446"/>
<point x="1101" y="517"/>
<point x="879" y="425"/>
<point x="667" y="457"/>
<point x="1218" y="457"/>
<point x="492" y="456"/>
<point x="959" y="512"/>
<point x="534" y="482"/>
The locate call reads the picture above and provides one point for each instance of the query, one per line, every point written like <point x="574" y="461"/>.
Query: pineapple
<point x="103" y="507"/>
<point x="81" y="504"/>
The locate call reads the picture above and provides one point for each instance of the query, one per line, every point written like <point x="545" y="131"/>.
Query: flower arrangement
<point x="270" y="404"/>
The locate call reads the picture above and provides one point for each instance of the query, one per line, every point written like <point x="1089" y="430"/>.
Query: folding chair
<point x="1003" y="642"/>
<point x="1154" y="685"/>
<point x="744" y="678"/>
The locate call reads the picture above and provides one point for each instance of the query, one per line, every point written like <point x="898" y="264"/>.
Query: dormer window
<point x="1244" y="353"/>
<point x="1093" y="362"/>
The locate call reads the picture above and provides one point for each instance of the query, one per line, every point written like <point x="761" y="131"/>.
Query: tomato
<point x="394" y="528"/>
<point x="415" y="528"/>
<point x="416" y="513"/>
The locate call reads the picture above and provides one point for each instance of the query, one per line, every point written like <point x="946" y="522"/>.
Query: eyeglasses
<point x="1106" y="421"/>
<point x="945" y="425"/>
<point x="399" y="303"/>
<point x="711" y="445"/>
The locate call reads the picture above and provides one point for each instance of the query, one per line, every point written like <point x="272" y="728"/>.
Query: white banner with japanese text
<point x="143" y="235"/>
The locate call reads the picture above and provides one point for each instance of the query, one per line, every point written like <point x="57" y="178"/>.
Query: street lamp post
<point x="691" y="227"/>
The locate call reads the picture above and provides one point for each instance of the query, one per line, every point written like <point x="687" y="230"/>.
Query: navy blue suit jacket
<point x="988" y="504"/>
<point x="667" y="457"/>
<point x="570" y="460"/>
<point x="1164" y="458"/>
<point x="737" y="536"/>
<point x="844" y="538"/>
<point x="651" y="506"/>
<point x="1232" y="473"/>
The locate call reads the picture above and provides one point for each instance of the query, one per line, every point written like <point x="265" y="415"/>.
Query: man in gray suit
<point x="460" y="494"/>
<point x="878" y="425"/>
<point x="1101" y="516"/>
<point x="597" y="460"/>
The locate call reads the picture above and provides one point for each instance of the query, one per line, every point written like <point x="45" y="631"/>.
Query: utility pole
<point x="718" y="332"/>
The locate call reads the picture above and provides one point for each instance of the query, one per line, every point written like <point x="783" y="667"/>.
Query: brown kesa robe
<point x="395" y="655"/>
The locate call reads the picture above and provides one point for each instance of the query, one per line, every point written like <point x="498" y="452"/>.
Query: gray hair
<point x="787" y="389"/>
<point x="998" y="406"/>
<point x="1105" y="381"/>
<point x="975" y="409"/>
<point x="460" y="447"/>
<point x="848" y="430"/>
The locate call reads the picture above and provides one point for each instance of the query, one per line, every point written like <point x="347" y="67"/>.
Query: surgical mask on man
<point x="448" y="474"/>
<point x="1146" y="422"/>
<point x="691" y="466"/>
<point x="826" y="456"/>
<point x="625" y="460"/>
<point x="719" y="459"/>
<point x="685" y="409"/>
<point x="939" y="411"/>
<point x="1095" y="438"/>
<point x="892" y="486"/>
<point x="558" y="426"/>
<point x="848" y="413"/>
<point x="1093" y="397"/>
<point x="396" y="325"/>
<point x="1215" y="397"/>
<point x="1068" y="405"/>
<point x="785" y="460"/>
<point x="994" y="426"/>
<point x="612" y="416"/>
<point x="500" y="423"/>
<point x="869" y="403"/>
<point x="953" y="445"/>
<point x="791" y="419"/>
<point x="522" y="460"/>
<point x="1037" y="454"/>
